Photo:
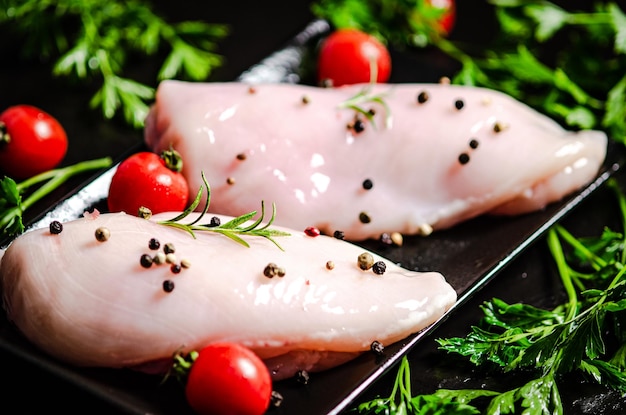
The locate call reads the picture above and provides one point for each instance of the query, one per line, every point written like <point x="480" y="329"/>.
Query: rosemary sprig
<point x="231" y="229"/>
<point x="366" y="96"/>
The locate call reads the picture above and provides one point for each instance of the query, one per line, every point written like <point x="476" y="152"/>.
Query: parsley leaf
<point x="93" y="40"/>
<point x="618" y="20"/>
<point x="549" y="19"/>
<point x="10" y="207"/>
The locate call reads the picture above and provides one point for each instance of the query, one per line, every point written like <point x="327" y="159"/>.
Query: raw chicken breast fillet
<point x="91" y="303"/>
<point x="431" y="156"/>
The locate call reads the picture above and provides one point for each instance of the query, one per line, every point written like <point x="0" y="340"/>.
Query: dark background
<point x="258" y="29"/>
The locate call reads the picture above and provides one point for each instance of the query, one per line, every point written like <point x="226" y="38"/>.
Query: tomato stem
<point x="173" y="160"/>
<point x="181" y="365"/>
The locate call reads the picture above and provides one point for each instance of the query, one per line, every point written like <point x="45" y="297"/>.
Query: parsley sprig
<point x="583" y="334"/>
<point x="16" y="198"/>
<point x="396" y="22"/>
<point x="402" y="401"/>
<point x="231" y="229"/>
<point x="94" y="40"/>
<point x="566" y="64"/>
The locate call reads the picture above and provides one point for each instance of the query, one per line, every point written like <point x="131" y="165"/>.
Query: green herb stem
<point x="596" y="262"/>
<point x="621" y="202"/>
<point x="559" y="257"/>
<point x="453" y="51"/>
<point x="56" y="177"/>
<point x="588" y="19"/>
<point x="13" y="205"/>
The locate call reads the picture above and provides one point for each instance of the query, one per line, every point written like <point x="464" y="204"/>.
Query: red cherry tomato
<point x="149" y="180"/>
<point x="227" y="378"/>
<point x="349" y="56"/>
<point x="31" y="141"/>
<point x="448" y="18"/>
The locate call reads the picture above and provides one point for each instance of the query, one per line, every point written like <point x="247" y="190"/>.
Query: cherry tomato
<point x="227" y="378"/>
<point x="448" y="18"/>
<point x="150" y="180"/>
<point x="31" y="141"/>
<point x="349" y="56"/>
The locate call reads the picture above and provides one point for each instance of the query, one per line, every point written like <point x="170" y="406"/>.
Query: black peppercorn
<point x="56" y="227"/>
<point x="168" y="286"/>
<point x="272" y="270"/>
<point x="364" y="217"/>
<point x="154" y="244"/>
<point x="145" y="261"/>
<point x="215" y="221"/>
<point x="377" y="347"/>
<point x="464" y="158"/>
<point x="368" y="184"/>
<point x="498" y="127"/>
<point x="379" y="268"/>
<point x="359" y="126"/>
<point x="169" y="248"/>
